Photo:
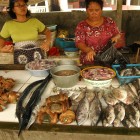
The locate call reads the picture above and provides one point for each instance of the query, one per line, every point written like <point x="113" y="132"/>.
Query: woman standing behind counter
<point x="22" y="27"/>
<point x="93" y="33"/>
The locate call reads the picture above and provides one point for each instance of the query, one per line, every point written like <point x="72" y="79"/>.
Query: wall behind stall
<point x="66" y="20"/>
<point x="69" y="20"/>
<point x="131" y="25"/>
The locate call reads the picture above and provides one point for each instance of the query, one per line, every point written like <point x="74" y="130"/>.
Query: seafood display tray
<point x="125" y="79"/>
<point x="23" y="79"/>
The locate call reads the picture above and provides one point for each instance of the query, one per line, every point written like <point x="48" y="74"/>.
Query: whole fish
<point x="116" y="122"/>
<point x="130" y="95"/>
<point x="35" y="98"/>
<point x="136" y="84"/>
<point x="82" y="111"/>
<point x="126" y="72"/>
<point x="95" y="111"/>
<point x="80" y="97"/>
<point x="21" y="101"/>
<point x="119" y="114"/>
<point x="109" y="99"/>
<point x="132" y="114"/>
<point x="109" y="115"/>
<point x="90" y="94"/>
<point x="126" y="122"/>
<point x="136" y="71"/>
<point x="133" y="89"/>
<point x="119" y="93"/>
<point x="119" y="111"/>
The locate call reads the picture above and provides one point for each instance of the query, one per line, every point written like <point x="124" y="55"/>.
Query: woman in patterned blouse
<point x="93" y="33"/>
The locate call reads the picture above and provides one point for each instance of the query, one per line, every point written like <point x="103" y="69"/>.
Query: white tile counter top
<point x="23" y="79"/>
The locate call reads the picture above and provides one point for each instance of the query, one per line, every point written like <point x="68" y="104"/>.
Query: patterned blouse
<point x="95" y="37"/>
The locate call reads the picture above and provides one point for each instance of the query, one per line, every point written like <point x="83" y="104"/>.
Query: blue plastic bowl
<point x="60" y="42"/>
<point x="71" y="49"/>
<point x="125" y="79"/>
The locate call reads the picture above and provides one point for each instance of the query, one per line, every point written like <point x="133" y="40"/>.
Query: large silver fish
<point x="119" y="114"/>
<point x="136" y="71"/>
<point x="130" y="95"/>
<point x="119" y="93"/>
<point x="34" y="99"/>
<point x="133" y="114"/>
<point x="126" y="72"/>
<point x="126" y="122"/>
<point x="109" y="98"/>
<point x="119" y="111"/>
<point x="82" y="111"/>
<point x="136" y="84"/>
<point x="133" y="89"/>
<point x="95" y="111"/>
<point x="90" y="94"/>
<point x="81" y="95"/>
<point x="108" y="116"/>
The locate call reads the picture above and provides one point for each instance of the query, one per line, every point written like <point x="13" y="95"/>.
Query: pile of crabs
<point x="6" y="94"/>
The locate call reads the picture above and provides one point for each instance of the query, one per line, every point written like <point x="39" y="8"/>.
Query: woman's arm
<point x="46" y="43"/>
<point x="116" y="38"/>
<point x="90" y="53"/>
<point x="5" y="48"/>
<point x="2" y="41"/>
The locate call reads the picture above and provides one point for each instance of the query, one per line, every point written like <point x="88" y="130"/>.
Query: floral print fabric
<point x="95" y="37"/>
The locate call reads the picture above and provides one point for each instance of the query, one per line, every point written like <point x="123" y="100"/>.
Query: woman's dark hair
<point x="100" y="2"/>
<point x="11" y="6"/>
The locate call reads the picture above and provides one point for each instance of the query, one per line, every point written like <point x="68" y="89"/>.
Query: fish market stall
<point x="83" y="121"/>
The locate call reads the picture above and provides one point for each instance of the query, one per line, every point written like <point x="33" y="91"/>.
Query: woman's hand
<point x="7" y="49"/>
<point x="45" y="45"/>
<point x="90" y="55"/>
<point x="115" y="38"/>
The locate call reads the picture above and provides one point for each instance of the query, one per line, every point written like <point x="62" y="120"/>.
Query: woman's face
<point x="94" y="11"/>
<point x="20" y="8"/>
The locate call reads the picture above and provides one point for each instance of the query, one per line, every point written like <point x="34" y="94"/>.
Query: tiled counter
<point x="23" y="79"/>
<point x="9" y="123"/>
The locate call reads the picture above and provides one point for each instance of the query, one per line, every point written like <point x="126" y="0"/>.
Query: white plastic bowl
<point x="98" y="83"/>
<point x="67" y="62"/>
<point x="39" y="72"/>
<point x="71" y="54"/>
<point x="51" y="27"/>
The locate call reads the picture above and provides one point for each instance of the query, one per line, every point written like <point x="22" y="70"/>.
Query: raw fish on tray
<point x="95" y="111"/>
<point x="119" y="114"/>
<point x="82" y="111"/>
<point x="98" y="73"/>
<point x="108" y="115"/>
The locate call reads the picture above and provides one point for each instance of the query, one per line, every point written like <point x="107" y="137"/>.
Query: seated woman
<point x="93" y="33"/>
<point x="22" y="28"/>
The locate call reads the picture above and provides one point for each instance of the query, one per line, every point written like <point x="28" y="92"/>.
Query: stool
<point x="138" y="51"/>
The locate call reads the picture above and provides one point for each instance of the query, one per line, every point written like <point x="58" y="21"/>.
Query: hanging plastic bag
<point x="110" y="55"/>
